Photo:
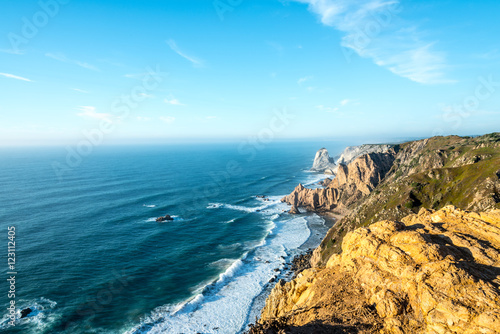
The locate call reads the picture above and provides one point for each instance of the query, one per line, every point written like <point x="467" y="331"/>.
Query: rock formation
<point x="352" y="182"/>
<point x="430" y="173"/>
<point x="164" y="218"/>
<point x="431" y="272"/>
<point x="25" y="312"/>
<point x="323" y="163"/>
<point x="352" y="152"/>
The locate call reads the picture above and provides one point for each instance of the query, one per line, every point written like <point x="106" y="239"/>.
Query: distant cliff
<point x="352" y="182"/>
<point x="325" y="164"/>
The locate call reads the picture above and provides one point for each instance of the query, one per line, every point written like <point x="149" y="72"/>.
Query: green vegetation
<point x="461" y="171"/>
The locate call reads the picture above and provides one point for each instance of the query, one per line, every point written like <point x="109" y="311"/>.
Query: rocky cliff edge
<point x="431" y="272"/>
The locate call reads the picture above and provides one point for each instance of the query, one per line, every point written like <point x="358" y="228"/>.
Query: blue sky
<point x="357" y="68"/>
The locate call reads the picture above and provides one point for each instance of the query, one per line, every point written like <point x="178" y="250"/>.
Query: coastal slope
<point x="431" y="272"/>
<point x="429" y="173"/>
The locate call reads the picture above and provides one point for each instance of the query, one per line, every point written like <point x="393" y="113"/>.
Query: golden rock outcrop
<point x="431" y="272"/>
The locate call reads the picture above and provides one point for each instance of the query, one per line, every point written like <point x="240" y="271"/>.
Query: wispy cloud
<point x="167" y="119"/>
<point x="373" y="29"/>
<point x="90" y="112"/>
<point x="327" y="109"/>
<point x="12" y="51"/>
<point x="173" y="101"/>
<point x="79" y="90"/>
<point x="336" y="109"/>
<point x="345" y="102"/>
<point x="195" y="61"/>
<point x="304" y="79"/>
<point x="62" y="58"/>
<point x="12" y="76"/>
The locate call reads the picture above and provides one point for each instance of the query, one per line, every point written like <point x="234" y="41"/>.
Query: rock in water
<point x="294" y="210"/>
<point x="323" y="163"/>
<point x="164" y="218"/>
<point x="25" y="312"/>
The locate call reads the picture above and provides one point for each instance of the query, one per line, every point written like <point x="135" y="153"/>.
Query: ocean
<point x="90" y="257"/>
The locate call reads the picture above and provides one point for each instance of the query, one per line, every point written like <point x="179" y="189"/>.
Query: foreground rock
<point x="433" y="272"/>
<point x="164" y="219"/>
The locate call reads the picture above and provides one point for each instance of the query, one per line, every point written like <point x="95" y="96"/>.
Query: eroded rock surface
<point x="352" y="182"/>
<point x="432" y="272"/>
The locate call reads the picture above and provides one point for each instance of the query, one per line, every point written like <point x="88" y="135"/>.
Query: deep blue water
<point x="91" y="259"/>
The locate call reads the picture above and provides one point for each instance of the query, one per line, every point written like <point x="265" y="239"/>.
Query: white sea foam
<point x="149" y="205"/>
<point x="176" y="218"/>
<point x="223" y="306"/>
<point x="315" y="178"/>
<point x="40" y="319"/>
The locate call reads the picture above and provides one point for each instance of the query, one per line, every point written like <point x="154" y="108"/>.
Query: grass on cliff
<point x="468" y="165"/>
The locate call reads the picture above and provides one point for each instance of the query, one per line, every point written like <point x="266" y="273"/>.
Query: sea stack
<point x="323" y="163"/>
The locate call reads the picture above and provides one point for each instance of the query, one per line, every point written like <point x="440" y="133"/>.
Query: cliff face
<point x="352" y="182"/>
<point x="429" y="173"/>
<point x="432" y="272"/>
<point x="352" y="152"/>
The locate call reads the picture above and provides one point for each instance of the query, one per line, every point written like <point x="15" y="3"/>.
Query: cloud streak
<point x="90" y="112"/>
<point x="167" y="119"/>
<point x="173" y="45"/>
<point x="12" y="76"/>
<point x="372" y="29"/>
<point x="62" y="58"/>
<point x="173" y="101"/>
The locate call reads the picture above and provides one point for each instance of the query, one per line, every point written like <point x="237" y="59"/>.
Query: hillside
<point x="429" y="173"/>
<point x="431" y="272"/>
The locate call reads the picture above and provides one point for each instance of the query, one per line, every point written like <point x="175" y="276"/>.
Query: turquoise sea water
<point x="91" y="259"/>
